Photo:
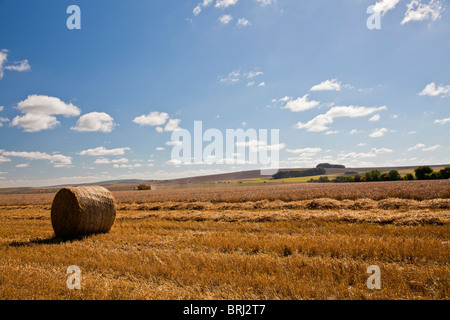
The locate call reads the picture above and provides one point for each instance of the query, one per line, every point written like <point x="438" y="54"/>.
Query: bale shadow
<point x="52" y="240"/>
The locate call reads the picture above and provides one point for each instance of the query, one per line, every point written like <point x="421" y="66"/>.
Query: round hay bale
<point x="78" y="211"/>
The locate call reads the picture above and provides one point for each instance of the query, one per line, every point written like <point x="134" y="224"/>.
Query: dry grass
<point x="248" y="248"/>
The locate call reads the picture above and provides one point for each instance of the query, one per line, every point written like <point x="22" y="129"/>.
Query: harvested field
<point x="191" y="244"/>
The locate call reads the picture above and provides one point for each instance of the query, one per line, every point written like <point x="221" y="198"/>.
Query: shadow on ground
<point x="52" y="240"/>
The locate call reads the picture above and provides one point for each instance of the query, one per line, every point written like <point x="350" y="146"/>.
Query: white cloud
<point x="233" y="76"/>
<point x="331" y="132"/>
<point x="253" y="74"/>
<point x="61" y="161"/>
<point x="300" y="104"/>
<point x="23" y="165"/>
<point x="306" y="152"/>
<point x="416" y="147"/>
<point x="225" y="3"/>
<point x="40" y="113"/>
<point x="102" y="151"/>
<point x="173" y="143"/>
<point x="1" y="108"/>
<point x="58" y="160"/>
<point x="384" y="6"/>
<point x="154" y="118"/>
<point x="3" y="120"/>
<point x="375" y="117"/>
<point x="328" y="85"/>
<point x="3" y="159"/>
<point x="34" y="155"/>
<point x="260" y="145"/>
<point x="433" y="91"/>
<point x="264" y="2"/>
<point x="95" y="122"/>
<point x="160" y="149"/>
<point x="371" y="154"/>
<point x="107" y="161"/>
<point x="417" y="11"/>
<point x="321" y="122"/>
<point x="172" y="125"/>
<point x="197" y="10"/>
<point x="262" y="84"/>
<point x="18" y="66"/>
<point x="242" y="22"/>
<point x="225" y="19"/>
<point x="377" y="133"/>
<point x="127" y="166"/>
<point x="422" y="147"/>
<point x="442" y="121"/>
<point x="432" y="148"/>
<point x="362" y="144"/>
<point x="41" y="104"/>
<point x="35" y="122"/>
<point x="354" y="131"/>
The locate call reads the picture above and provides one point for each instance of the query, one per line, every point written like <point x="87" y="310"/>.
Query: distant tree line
<point x="328" y="166"/>
<point x="299" y="173"/>
<point x="421" y="173"/>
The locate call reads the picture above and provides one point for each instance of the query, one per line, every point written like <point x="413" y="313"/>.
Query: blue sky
<point x="102" y="102"/>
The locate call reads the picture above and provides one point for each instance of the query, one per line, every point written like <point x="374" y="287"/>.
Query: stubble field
<point x="300" y="241"/>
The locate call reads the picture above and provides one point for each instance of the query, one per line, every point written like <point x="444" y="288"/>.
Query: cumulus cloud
<point x="102" y="151"/>
<point x="377" y="133"/>
<point x="39" y="113"/>
<point x="95" y="122"/>
<point x="18" y="66"/>
<point x="225" y="19"/>
<point x="306" y="152"/>
<point x="371" y="154"/>
<point x="375" y="117"/>
<point x="61" y="161"/>
<point x="242" y="22"/>
<point x="172" y="125"/>
<point x="442" y="121"/>
<point x="58" y="160"/>
<point x="264" y="2"/>
<point x="173" y="143"/>
<point x="108" y="161"/>
<point x="433" y="91"/>
<point x="225" y="3"/>
<point x="422" y="147"/>
<point x="260" y="145"/>
<point x="3" y="120"/>
<point x="127" y="166"/>
<point x="417" y="11"/>
<point x="236" y="75"/>
<point x="328" y="85"/>
<point x="384" y="6"/>
<point x="3" y="159"/>
<point x="154" y="118"/>
<point x="322" y="121"/>
<point x="299" y="104"/>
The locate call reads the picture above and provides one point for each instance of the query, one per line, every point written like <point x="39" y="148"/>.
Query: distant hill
<point x="131" y="184"/>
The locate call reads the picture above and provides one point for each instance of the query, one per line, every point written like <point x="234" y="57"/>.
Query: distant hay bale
<point x="78" y="211"/>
